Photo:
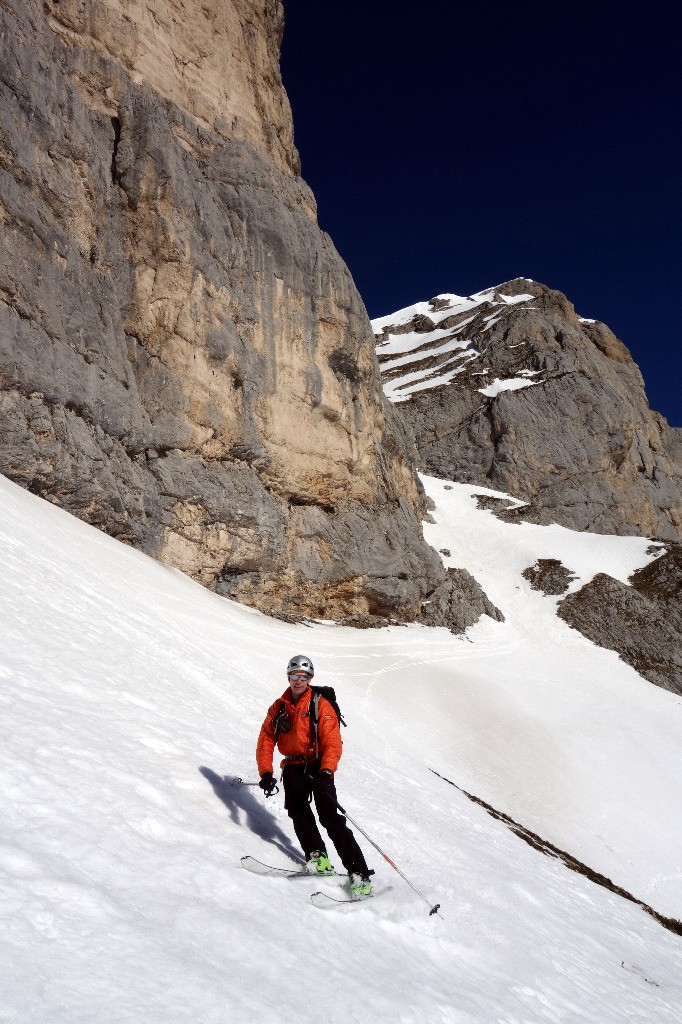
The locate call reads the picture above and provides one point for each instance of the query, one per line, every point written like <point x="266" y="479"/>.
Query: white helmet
<point x="300" y="663"/>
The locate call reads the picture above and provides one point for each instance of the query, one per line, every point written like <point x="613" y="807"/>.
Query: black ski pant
<point x="299" y="783"/>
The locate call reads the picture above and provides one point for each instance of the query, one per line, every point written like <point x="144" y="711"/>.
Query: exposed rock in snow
<point x="642" y="622"/>
<point x="458" y="603"/>
<point x="549" y="576"/>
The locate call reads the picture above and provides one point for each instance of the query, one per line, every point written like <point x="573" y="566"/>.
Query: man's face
<point x="298" y="681"/>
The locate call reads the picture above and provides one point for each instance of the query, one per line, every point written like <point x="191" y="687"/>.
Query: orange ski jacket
<point x="298" y="741"/>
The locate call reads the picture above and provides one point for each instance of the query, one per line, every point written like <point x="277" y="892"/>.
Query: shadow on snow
<point x="240" y="801"/>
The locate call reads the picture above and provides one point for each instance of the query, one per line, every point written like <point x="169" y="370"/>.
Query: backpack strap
<point x="313" y="711"/>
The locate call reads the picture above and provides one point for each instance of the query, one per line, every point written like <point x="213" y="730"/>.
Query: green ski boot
<point x="320" y="864"/>
<point x="360" y="887"/>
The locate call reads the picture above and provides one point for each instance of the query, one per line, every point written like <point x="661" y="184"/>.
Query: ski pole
<point x="432" y="909"/>
<point x="240" y="782"/>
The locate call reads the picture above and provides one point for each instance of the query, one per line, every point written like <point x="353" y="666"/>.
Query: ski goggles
<point x="297" y="676"/>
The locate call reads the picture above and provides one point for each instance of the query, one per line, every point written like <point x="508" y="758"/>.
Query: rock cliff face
<point x="184" y="359"/>
<point x="511" y="389"/>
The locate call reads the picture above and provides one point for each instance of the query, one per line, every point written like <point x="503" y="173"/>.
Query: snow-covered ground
<point x="121" y="892"/>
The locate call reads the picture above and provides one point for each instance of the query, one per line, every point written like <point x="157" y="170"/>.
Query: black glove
<point x="325" y="783"/>
<point x="267" y="783"/>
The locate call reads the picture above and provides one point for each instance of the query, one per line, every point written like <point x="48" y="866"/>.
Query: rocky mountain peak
<point x="512" y="389"/>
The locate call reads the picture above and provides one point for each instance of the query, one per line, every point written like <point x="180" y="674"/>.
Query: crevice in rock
<point x="299" y="500"/>
<point x="116" y="125"/>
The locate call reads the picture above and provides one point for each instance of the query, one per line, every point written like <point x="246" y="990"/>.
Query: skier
<point x="308" y="771"/>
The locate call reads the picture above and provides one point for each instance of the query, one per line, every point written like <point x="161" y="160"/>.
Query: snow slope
<point x="121" y="892"/>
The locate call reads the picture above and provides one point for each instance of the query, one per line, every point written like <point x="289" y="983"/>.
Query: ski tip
<point x="323" y="899"/>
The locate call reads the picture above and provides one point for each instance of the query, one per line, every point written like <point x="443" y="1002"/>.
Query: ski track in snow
<point x="121" y="890"/>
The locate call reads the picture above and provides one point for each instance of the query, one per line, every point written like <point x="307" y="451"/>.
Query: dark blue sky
<point x="452" y="147"/>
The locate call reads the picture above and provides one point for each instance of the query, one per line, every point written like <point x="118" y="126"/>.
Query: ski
<point x="267" y="870"/>
<point x="323" y="901"/>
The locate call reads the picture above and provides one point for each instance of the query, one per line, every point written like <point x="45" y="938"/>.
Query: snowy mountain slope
<point x="122" y="895"/>
<point x="431" y="357"/>
<point x="590" y="746"/>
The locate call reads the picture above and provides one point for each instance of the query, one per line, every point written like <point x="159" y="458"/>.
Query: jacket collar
<point x="303" y="701"/>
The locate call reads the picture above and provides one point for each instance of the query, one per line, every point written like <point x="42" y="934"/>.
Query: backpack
<point x="329" y="695"/>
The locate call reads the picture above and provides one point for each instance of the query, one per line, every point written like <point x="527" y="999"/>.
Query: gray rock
<point x="458" y="603"/>
<point x="642" y="622"/>
<point x="579" y="444"/>
<point x="549" y="575"/>
<point x="185" y="362"/>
